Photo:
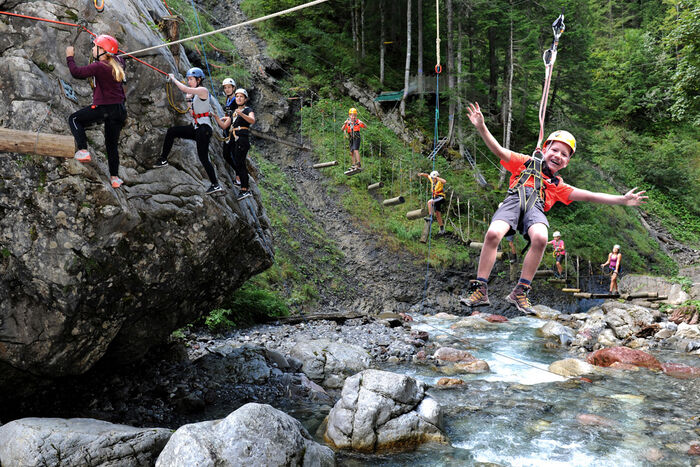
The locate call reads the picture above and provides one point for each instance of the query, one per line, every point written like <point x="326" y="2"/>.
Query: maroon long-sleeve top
<point x="107" y="89"/>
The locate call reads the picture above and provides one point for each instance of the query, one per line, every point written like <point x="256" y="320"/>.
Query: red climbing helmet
<point x="108" y="43"/>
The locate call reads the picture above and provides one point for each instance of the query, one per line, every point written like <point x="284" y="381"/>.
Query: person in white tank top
<point x="200" y="130"/>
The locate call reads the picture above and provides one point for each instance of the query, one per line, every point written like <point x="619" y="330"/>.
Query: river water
<point x="519" y="414"/>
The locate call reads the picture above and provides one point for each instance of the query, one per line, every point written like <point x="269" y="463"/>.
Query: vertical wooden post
<point x="578" y="283"/>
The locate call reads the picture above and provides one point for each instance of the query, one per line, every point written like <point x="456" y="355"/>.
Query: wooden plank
<point x="43" y="144"/>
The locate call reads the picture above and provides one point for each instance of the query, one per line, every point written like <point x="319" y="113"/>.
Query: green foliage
<point x="685" y="282"/>
<point x="218" y="320"/>
<point x="5" y="253"/>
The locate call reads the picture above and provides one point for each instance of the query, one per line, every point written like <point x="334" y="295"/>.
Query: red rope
<point x="167" y="8"/>
<point x="79" y="26"/>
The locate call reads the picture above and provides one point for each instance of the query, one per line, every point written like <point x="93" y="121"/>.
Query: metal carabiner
<point x="558" y="26"/>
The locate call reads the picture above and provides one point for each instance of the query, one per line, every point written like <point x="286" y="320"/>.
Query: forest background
<point x="626" y="83"/>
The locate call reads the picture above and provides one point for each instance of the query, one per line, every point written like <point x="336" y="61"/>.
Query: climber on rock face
<point x="199" y="130"/>
<point x="107" y="101"/>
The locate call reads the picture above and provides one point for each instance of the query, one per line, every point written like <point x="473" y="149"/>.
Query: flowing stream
<point x="519" y="414"/>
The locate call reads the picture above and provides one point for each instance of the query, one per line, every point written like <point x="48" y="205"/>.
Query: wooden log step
<point x="42" y="144"/>
<point x="321" y="165"/>
<point x="477" y="245"/>
<point x="557" y="281"/>
<point x="374" y="186"/>
<point x="582" y="295"/>
<point x="544" y="273"/>
<point x="569" y="290"/>
<point x="394" y="201"/>
<point x="416" y="214"/>
<point x="352" y="172"/>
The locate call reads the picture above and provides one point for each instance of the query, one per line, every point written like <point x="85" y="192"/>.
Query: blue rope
<point x="201" y="42"/>
<point x="435" y="142"/>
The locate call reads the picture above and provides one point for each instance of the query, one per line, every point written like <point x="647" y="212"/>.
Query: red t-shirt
<point x="353" y="127"/>
<point x="552" y="193"/>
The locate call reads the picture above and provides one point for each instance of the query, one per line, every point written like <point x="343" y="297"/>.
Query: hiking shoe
<point x="442" y="232"/>
<point x="243" y="195"/>
<point x="116" y="182"/>
<point x="213" y="189"/>
<point x="237" y="182"/>
<point x="478" y="296"/>
<point x="82" y="155"/>
<point x="518" y="297"/>
<point x="160" y="163"/>
<point x="428" y="218"/>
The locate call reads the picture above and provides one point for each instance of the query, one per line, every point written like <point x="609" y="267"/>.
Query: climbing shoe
<point x="237" y="182"/>
<point x="518" y="297"/>
<point x="442" y="231"/>
<point x="478" y="295"/>
<point x="160" y="163"/>
<point x="82" y="155"/>
<point x="243" y="195"/>
<point x="116" y="182"/>
<point x="213" y="189"/>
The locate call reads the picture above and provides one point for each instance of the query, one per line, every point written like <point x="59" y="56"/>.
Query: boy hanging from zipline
<point x="437" y="199"/>
<point x="352" y="127"/>
<point x="534" y="188"/>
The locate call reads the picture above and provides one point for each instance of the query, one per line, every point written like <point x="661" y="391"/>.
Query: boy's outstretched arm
<point x="631" y="198"/>
<point x="477" y="119"/>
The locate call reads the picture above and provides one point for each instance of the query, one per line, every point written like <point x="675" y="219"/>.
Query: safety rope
<point x="204" y="53"/>
<point x="46" y="20"/>
<point x="171" y="99"/>
<point x="549" y="57"/>
<point x="227" y="28"/>
<point x="438" y="70"/>
<point x="168" y="8"/>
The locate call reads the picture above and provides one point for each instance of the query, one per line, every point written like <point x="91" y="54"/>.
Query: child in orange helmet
<point x="107" y="101"/>
<point x="558" y="149"/>
<point x="352" y="127"/>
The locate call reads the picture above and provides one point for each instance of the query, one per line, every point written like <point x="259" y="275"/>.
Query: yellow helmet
<point x="563" y="136"/>
<point x="352" y="111"/>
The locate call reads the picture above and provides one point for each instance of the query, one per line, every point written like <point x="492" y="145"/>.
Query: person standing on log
<point x="352" y="127"/>
<point x="614" y="263"/>
<point x="199" y="130"/>
<point x="559" y="253"/>
<point x="437" y="198"/>
<point x="534" y="188"/>
<point x="107" y="101"/>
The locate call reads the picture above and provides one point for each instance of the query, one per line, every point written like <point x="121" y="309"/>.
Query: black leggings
<point x="113" y="116"/>
<point x="240" y="152"/>
<point x="202" y="135"/>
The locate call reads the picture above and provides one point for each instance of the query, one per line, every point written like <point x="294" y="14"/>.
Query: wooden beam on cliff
<point x="259" y="134"/>
<point x="43" y="144"/>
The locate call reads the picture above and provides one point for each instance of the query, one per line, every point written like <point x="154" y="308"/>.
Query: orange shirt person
<point x="352" y="127"/>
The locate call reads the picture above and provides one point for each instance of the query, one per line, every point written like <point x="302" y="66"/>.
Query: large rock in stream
<point x="255" y="434"/>
<point x="87" y="270"/>
<point x="381" y="411"/>
<point x="78" y="441"/>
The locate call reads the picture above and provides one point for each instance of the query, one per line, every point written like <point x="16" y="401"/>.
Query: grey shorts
<point x="509" y="212"/>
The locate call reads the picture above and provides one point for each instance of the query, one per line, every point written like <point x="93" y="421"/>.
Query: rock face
<point x="78" y="441"/>
<point x="382" y="411"/>
<point x="255" y="434"/>
<point x="328" y="362"/>
<point x="85" y="269"/>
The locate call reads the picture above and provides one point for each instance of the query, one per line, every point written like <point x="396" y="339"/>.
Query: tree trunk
<point x="407" y="72"/>
<point x="421" y="84"/>
<point x="353" y="9"/>
<point x="508" y="98"/>
<point x="450" y="72"/>
<point x="493" y="69"/>
<point x="362" y="28"/>
<point x="382" y="39"/>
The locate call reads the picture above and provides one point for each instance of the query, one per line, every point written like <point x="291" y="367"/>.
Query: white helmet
<point x="556" y="234"/>
<point x="616" y="246"/>
<point x="228" y="81"/>
<point x="241" y="91"/>
<point x="434" y="174"/>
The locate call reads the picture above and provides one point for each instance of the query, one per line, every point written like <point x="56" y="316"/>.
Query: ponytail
<point x="117" y="70"/>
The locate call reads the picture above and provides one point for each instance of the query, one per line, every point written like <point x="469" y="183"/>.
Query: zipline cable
<point x="245" y="23"/>
<point x="549" y="57"/>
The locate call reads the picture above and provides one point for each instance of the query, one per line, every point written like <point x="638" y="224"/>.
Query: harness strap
<point x="534" y="171"/>
<point x="196" y="116"/>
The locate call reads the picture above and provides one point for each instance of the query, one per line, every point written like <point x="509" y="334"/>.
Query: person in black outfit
<point x="243" y="118"/>
<point x="225" y="123"/>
